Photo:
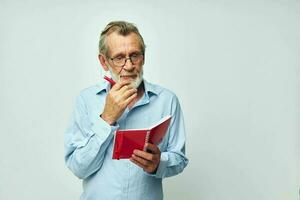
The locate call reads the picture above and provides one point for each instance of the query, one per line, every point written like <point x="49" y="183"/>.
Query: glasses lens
<point x="121" y="61"/>
<point x="136" y="58"/>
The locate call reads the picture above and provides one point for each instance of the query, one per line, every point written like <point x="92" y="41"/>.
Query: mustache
<point x="128" y="75"/>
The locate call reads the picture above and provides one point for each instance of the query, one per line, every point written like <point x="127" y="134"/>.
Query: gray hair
<point x="121" y="27"/>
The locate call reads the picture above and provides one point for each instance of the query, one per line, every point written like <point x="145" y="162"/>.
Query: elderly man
<point x="131" y="103"/>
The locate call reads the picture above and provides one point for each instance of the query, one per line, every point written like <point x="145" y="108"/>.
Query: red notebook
<point x="130" y="139"/>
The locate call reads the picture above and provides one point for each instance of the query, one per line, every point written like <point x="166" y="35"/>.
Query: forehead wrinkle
<point x="123" y="44"/>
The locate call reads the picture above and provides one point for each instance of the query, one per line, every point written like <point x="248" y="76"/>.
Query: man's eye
<point x="134" y="56"/>
<point x="119" y="58"/>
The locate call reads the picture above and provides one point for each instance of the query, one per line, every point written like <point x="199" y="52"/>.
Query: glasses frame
<point x="139" y="55"/>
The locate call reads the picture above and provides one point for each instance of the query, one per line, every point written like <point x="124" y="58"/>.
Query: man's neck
<point x="140" y="93"/>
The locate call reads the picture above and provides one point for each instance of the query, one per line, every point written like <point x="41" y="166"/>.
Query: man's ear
<point x="102" y="60"/>
<point x="143" y="59"/>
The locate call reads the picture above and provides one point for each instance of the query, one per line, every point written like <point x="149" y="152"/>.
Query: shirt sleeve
<point x="86" y="140"/>
<point x="173" y="160"/>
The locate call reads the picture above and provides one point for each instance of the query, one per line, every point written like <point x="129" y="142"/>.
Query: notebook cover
<point x="128" y="140"/>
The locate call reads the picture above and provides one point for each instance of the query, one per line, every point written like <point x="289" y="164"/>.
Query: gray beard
<point x="135" y="84"/>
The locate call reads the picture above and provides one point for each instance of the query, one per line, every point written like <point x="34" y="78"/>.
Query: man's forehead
<point x="116" y="41"/>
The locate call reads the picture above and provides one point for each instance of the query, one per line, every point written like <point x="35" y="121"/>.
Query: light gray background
<point x="234" y="65"/>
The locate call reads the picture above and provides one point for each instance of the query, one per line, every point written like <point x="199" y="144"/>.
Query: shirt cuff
<point x="102" y="129"/>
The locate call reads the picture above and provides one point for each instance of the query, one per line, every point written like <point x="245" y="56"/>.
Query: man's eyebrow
<point x="118" y="54"/>
<point x="123" y="55"/>
<point x="135" y="52"/>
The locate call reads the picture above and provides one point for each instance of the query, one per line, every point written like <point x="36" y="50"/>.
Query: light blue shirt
<point x="89" y="145"/>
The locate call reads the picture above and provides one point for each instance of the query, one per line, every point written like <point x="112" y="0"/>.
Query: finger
<point x="128" y="93"/>
<point x="119" y="85"/>
<point x="137" y="163"/>
<point x="125" y="88"/>
<point x="143" y="154"/>
<point x="141" y="160"/>
<point x="129" y="99"/>
<point x="152" y="148"/>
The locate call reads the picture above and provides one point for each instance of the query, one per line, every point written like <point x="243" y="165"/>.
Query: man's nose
<point x="128" y="65"/>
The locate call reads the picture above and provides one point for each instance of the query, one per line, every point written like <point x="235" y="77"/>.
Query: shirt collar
<point x="150" y="89"/>
<point x="103" y="86"/>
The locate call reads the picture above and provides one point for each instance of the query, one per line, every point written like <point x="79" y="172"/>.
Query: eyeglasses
<point x="120" y="61"/>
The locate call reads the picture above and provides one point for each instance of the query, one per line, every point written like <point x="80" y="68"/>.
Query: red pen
<point x="112" y="82"/>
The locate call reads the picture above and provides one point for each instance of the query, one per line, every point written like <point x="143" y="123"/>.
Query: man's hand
<point x="149" y="160"/>
<point x="118" y="98"/>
